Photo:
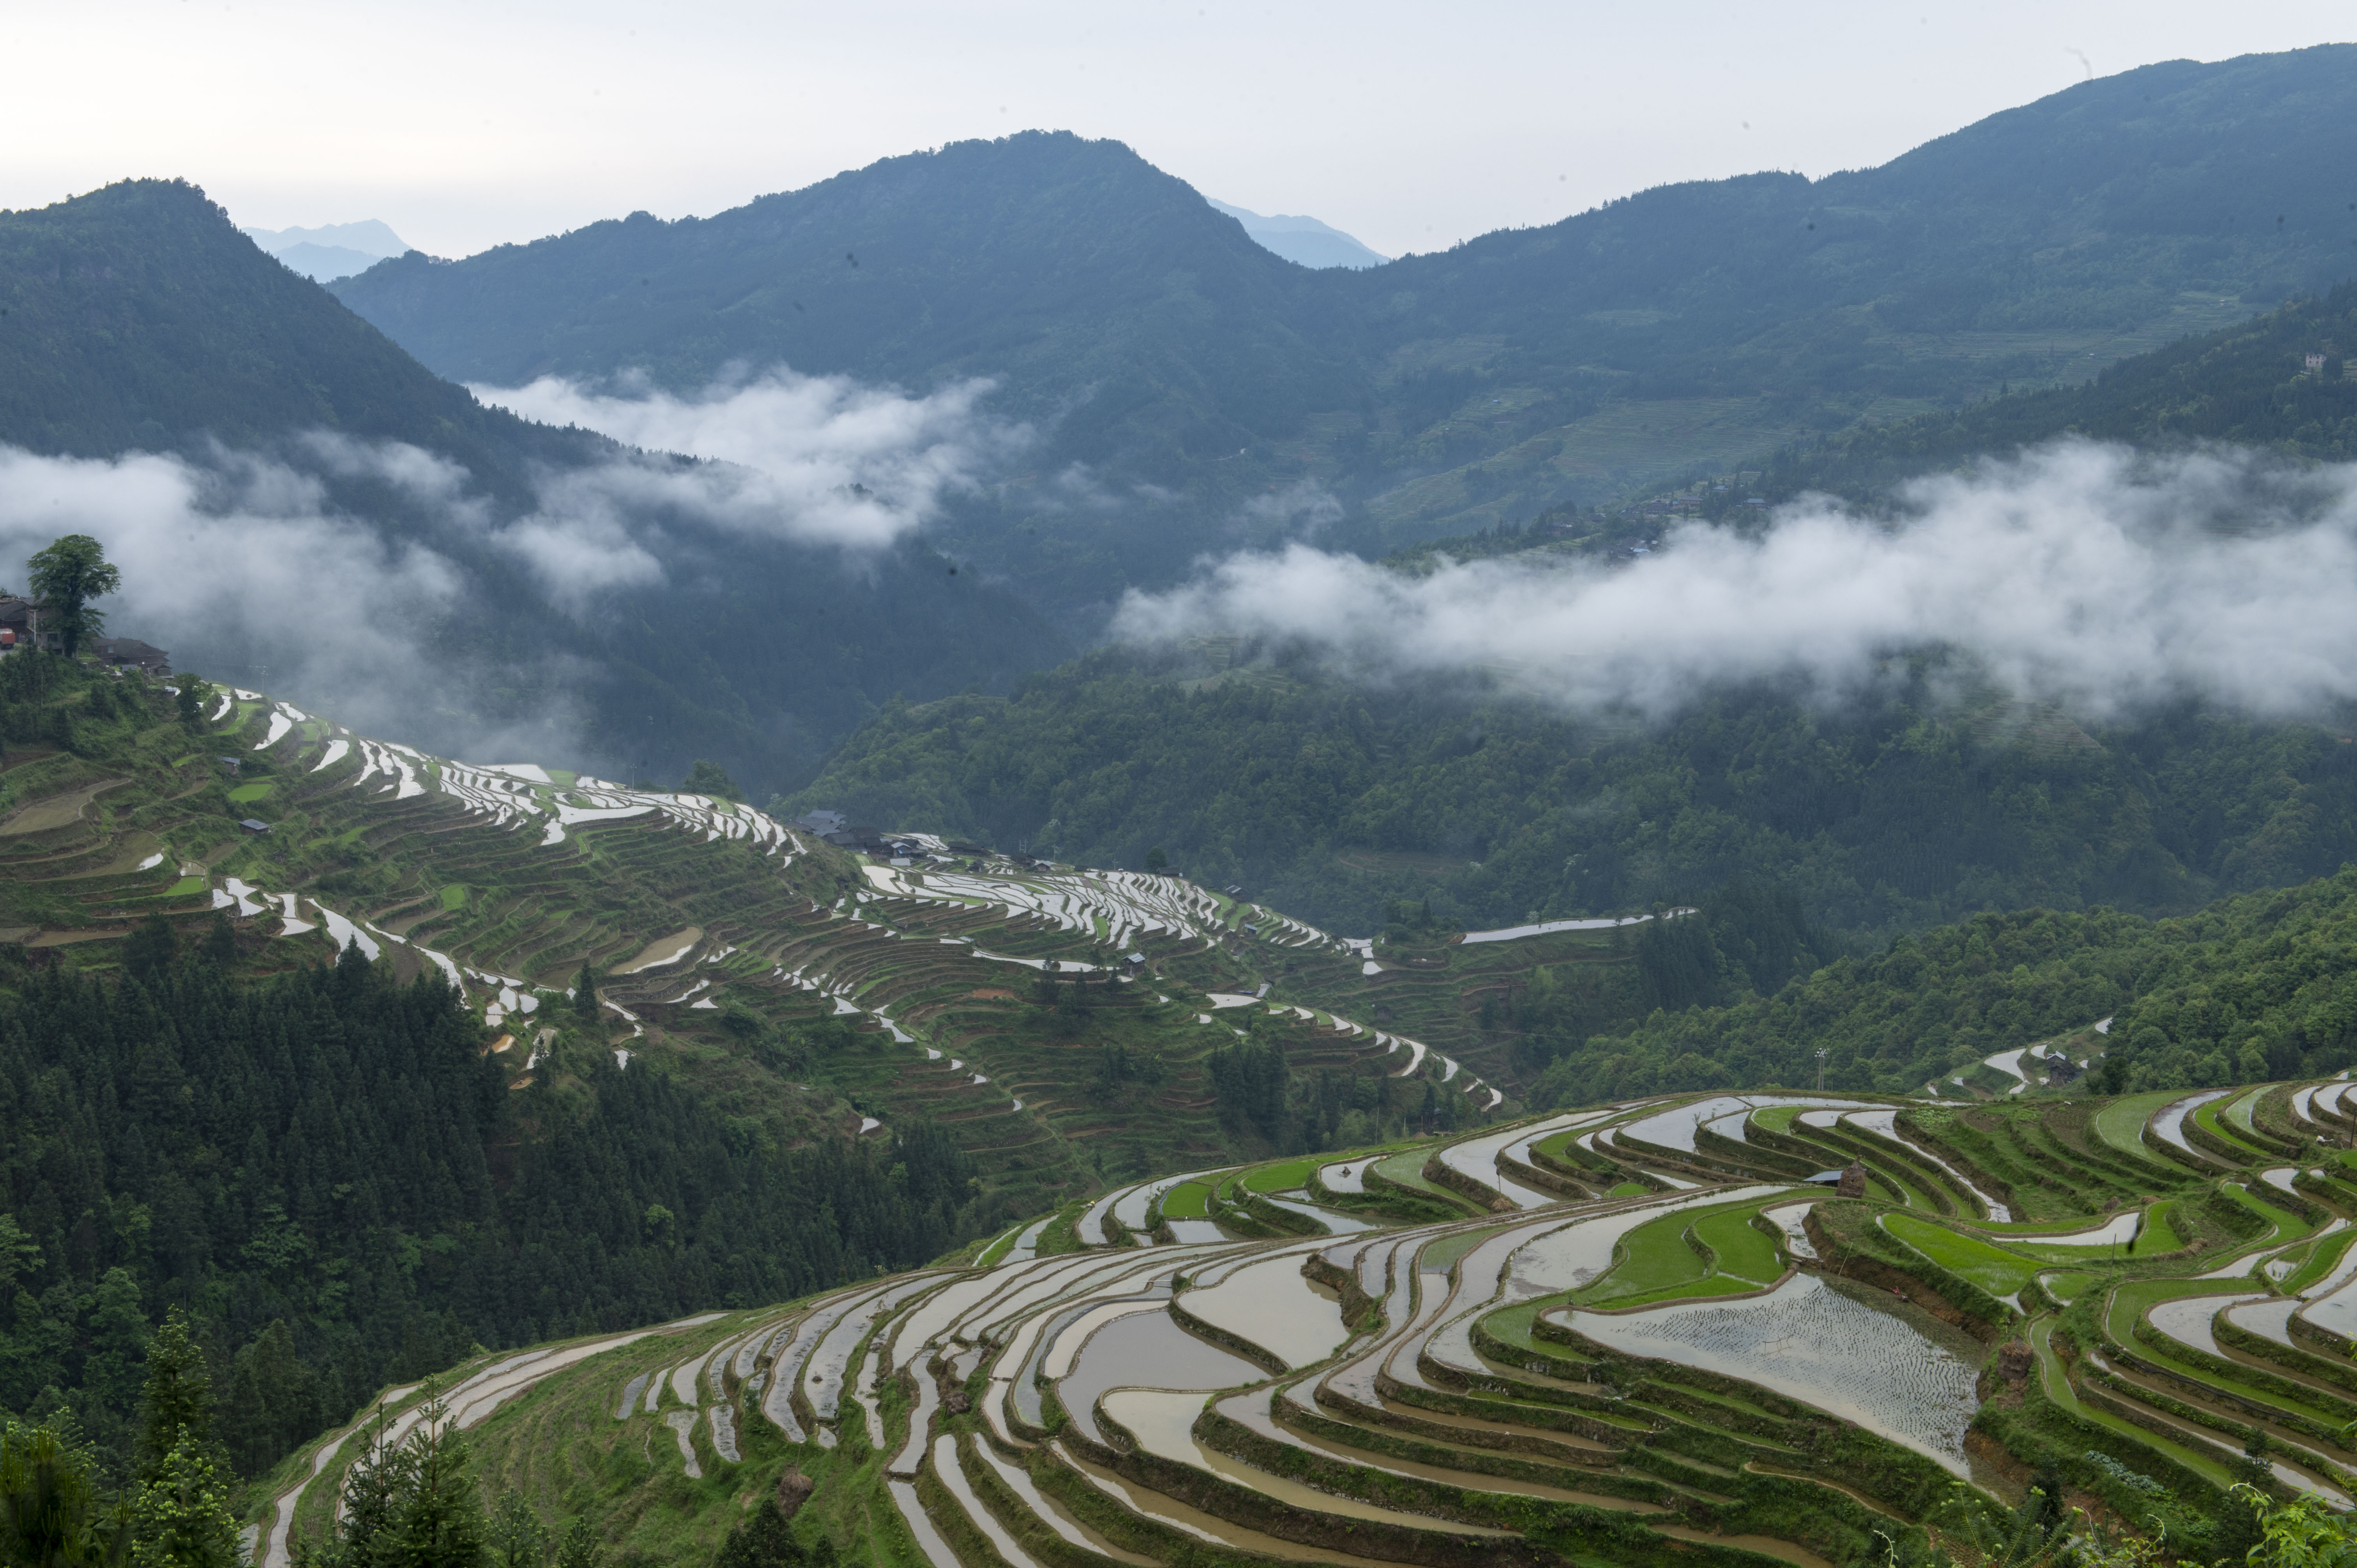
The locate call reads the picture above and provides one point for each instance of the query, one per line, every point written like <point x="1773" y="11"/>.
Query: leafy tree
<point x="72" y="570"/>
<point x="585" y="993"/>
<point x="2301" y="1534"/>
<point x="708" y="777"/>
<point x="113" y="1367"/>
<point x="1156" y="860"/>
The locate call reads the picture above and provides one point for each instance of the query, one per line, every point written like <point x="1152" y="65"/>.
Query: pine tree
<point x="50" y="1511"/>
<point x="149" y="953"/>
<point x="181" y="1518"/>
<point x="766" y="1541"/>
<point x="195" y="696"/>
<point x="580" y="1548"/>
<point x="221" y="941"/>
<point x="441" y="1520"/>
<point x="518" y="1539"/>
<point x="374" y="1489"/>
<point x="177" y="1405"/>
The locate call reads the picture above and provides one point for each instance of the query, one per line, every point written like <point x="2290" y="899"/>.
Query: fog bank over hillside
<point x="820" y="459"/>
<point x="2079" y="572"/>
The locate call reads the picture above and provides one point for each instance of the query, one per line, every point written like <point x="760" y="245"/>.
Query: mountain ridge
<point x="1469" y="386"/>
<point x="138" y="321"/>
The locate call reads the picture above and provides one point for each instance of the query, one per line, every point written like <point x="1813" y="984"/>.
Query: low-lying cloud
<point x="2080" y="572"/>
<point x="273" y="567"/>
<point x="242" y="560"/>
<point x="809" y="459"/>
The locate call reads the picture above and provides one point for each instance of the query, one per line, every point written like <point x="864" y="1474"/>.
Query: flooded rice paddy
<point x="1817" y="1344"/>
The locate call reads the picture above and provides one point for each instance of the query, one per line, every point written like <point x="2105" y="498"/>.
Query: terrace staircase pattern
<point x="1685" y="1353"/>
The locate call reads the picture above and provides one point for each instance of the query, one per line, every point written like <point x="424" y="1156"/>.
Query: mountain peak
<point x="1303" y="239"/>
<point x="331" y="250"/>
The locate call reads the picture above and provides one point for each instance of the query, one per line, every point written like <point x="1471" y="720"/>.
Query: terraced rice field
<point x="905" y="991"/>
<point x="1609" y="1336"/>
<point x="1753" y="1366"/>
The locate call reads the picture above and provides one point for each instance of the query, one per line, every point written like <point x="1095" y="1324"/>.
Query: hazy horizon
<point x="466" y="128"/>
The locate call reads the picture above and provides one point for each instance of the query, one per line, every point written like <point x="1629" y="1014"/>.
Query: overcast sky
<point x="467" y="122"/>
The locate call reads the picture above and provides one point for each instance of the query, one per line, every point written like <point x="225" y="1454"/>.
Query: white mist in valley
<point x="238" y="565"/>
<point x="2079" y="572"/>
<point x="245" y="558"/>
<point x="812" y="459"/>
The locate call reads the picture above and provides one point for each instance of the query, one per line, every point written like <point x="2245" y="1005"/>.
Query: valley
<point x="956" y="868"/>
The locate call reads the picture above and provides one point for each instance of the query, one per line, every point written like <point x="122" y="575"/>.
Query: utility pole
<point x="1823" y="1052"/>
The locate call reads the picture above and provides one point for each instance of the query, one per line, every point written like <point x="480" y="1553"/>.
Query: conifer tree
<point x="518" y="1539"/>
<point x="50" y="1516"/>
<point x="440" y="1523"/>
<point x="148" y="950"/>
<point x="766" y="1541"/>
<point x="180" y="1518"/>
<point x="195" y="696"/>
<point x="176" y="1404"/>
<point x="221" y="941"/>
<point x="579" y="1547"/>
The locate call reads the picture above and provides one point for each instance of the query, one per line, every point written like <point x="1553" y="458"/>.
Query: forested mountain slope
<point x="2277" y="383"/>
<point x="2246" y="385"/>
<point x="1517" y="370"/>
<point x="138" y="319"/>
<point x="1333" y="800"/>
<point x="2261" y="986"/>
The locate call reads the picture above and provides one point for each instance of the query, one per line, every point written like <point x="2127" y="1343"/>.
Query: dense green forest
<point x="1332" y="801"/>
<point x="327" y="1174"/>
<point x="2255" y="988"/>
<point x="138" y="318"/>
<point x="1191" y="371"/>
<point x="2249" y="385"/>
<point x="2246" y="385"/>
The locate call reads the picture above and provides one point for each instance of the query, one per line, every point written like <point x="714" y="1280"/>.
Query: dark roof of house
<point x="125" y="648"/>
<point x="254" y="825"/>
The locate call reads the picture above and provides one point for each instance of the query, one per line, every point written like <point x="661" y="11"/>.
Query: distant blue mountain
<point x="1303" y="239"/>
<point x="331" y="250"/>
